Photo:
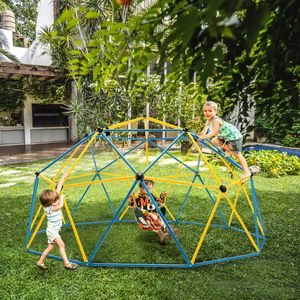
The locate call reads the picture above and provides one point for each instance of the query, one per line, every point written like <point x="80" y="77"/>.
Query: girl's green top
<point x="227" y="131"/>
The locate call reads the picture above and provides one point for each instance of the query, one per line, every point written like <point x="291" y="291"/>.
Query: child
<point x="52" y="203"/>
<point x="225" y="135"/>
<point x="146" y="214"/>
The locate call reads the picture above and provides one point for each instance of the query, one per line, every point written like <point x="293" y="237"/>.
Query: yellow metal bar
<point x="67" y="161"/>
<point x="204" y="159"/>
<point x="36" y="230"/>
<point x="163" y="123"/>
<point x="124" y="212"/>
<point x="75" y="231"/>
<point x="98" y="181"/>
<point x="91" y="173"/>
<point x="238" y="182"/>
<point x="235" y="202"/>
<point x="124" y="173"/>
<point x="242" y="223"/>
<point x="206" y="228"/>
<point x="82" y="153"/>
<point x="169" y="212"/>
<point x="120" y="165"/>
<point x="125" y="123"/>
<point x="36" y="215"/>
<point x="252" y="208"/>
<point x="79" y="176"/>
<point x="181" y="175"/>
<point x="51" y="182"/>
<point x="165" y="205"/>
<point x="184" y="183"/>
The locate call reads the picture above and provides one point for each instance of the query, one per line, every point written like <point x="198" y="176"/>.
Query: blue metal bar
<point x="125" y="138"/>
<point x="107" y="196"/>
<point x="177" y="159"/>
<point x="112" y="221"/>
<point x="137" y="265"/>
<point x="187" y="260"/>
<point x="262" y="244"/>
<point x="218" y="151"/>
<point x="67" y="152"/>
<point x="170" y="146"/>
<point x="255" y="213"/>
<point x="115" y="160"/>
<point x="257" y="205"/>
<point x="82" y="197"/>
<point x="102" y="184"/>
<point x="185" y="198"/>
<point x="33" y="198"/>
<point x="140" y="265"/>
<point x="120" y="154"/>
<point x="161" y="139"/>
<point x="221" y="260"/>
<point x="213" y="201"/>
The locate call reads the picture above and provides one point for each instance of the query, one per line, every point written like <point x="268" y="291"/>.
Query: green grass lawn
<point x="271" y="275"/>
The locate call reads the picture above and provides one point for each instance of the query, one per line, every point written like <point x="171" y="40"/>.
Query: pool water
<point x="289" y="151"/>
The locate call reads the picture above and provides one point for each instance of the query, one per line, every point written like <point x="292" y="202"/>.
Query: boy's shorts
<point x="234" y="146"/>
<point x="52" y="234"/>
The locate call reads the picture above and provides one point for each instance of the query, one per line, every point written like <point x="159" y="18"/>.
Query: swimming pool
<point x="289" y="151"/>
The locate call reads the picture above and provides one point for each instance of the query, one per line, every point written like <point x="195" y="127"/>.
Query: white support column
<point x="27" y="111"/>
<point x="73" y="130"/>
<point x="179" y="106"/>
<point x="164" y="113"/>
<point x="129" y="111"/>
<point x="195" y="81"/>
<point x="148" y="104"/>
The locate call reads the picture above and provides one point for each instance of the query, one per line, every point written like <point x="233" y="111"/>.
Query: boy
<point x="146" y="214"/>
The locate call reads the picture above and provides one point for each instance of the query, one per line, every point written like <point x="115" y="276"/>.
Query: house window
<point x="49" y="115"/>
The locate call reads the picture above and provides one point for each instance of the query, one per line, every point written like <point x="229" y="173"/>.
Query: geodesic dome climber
<point x="218" y="214"/>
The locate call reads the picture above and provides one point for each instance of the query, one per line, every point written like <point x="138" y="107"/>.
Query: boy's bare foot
<point x="41" y="266"/>
<point x="163" y="236"/>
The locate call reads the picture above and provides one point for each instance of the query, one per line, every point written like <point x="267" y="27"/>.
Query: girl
<point x="224" y="135"/>
<point x="52" y="203"/>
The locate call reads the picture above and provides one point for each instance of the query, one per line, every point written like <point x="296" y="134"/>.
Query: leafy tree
<point x="217" y="40"/>
<point x="26" y="16"/>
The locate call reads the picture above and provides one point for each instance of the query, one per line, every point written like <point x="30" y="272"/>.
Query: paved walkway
<point x="29" y="153"/>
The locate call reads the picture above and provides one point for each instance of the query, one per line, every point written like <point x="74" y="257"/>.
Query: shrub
<point x="273" y="163"/>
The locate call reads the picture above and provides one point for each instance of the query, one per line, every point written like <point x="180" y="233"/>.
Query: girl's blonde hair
<point x="212" y="104"/>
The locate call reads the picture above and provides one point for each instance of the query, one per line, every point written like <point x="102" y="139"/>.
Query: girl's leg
<point x="45" y="254"/>
<point x="244" y="165"/>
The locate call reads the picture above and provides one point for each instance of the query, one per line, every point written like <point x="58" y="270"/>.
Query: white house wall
<point x="36" y="54"/>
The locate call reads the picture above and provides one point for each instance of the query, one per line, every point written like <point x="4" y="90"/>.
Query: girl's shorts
<point x="234" y="146"/>
<point x="52" y="234"/>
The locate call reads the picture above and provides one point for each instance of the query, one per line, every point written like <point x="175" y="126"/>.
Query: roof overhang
<point x="12" y="70"/>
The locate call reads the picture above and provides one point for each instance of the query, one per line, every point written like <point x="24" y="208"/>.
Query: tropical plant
<point x="273" y="163"/>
